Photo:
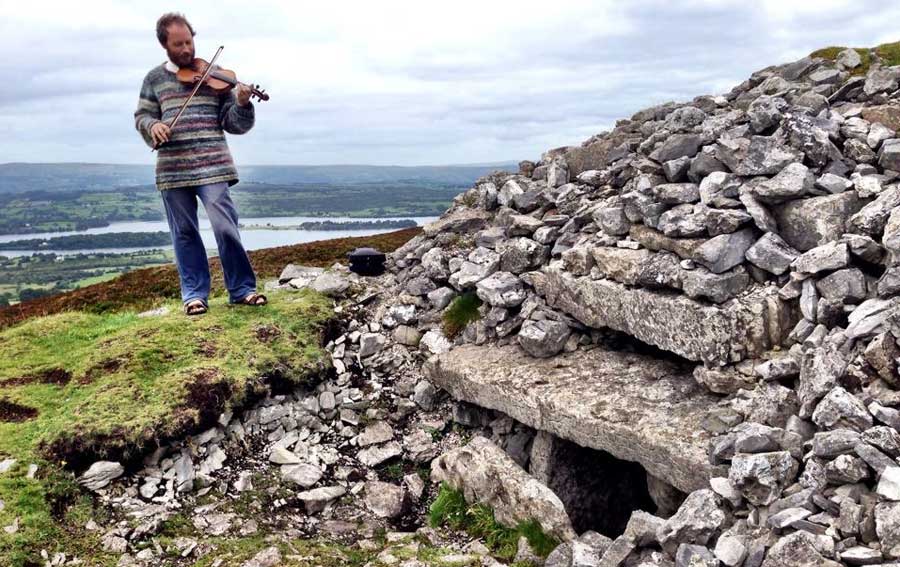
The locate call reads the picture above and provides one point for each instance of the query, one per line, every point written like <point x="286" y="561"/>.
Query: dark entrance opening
<point x="598" y="490"/>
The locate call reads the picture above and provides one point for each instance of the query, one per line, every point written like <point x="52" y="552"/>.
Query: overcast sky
<point x="407" y="83"/>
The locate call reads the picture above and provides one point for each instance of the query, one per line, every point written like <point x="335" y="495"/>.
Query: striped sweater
<point x="196" y="153"/>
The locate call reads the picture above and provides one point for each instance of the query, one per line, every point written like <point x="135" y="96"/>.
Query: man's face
<point x="180" y="45"/>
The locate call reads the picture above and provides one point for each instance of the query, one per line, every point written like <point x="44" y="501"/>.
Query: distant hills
<point x="62" y="177"/>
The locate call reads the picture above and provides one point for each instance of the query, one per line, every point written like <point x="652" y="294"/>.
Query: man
<point x="194" y="162"/>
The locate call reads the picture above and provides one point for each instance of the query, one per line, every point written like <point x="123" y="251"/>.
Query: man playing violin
<point x="194" y="162"/>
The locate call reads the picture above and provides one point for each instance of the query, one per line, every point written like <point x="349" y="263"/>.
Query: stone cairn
<point x="755" y="233"/>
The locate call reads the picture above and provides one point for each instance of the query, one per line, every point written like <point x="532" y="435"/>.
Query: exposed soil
<point x="107" y="366"/>
<point x="11" y="412"/>
<point x="267" y="333"/>
<point x="206" y="348"/>
<point x="55" y="376"/>
<point x="146" y="333"/>
<point x="332" y="329"/>
<point x="208" y="394"/>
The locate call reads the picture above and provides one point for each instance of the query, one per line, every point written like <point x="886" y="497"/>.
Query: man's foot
<point x="254" y="299"/>
<point x="195" y="307"/>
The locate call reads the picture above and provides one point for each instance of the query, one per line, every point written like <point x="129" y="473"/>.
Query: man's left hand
<point x="242" y="93"/>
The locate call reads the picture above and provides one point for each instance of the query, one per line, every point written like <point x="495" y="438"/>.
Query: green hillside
<point x="79" y="387"/>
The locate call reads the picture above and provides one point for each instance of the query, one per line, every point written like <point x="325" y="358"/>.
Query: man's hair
<point x="166" y="20"/>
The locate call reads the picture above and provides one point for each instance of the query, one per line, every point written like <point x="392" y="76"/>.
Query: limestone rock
<point x="518" y="255"/>
<point x="889" y="484"/>
<point x="831" y="256"/>
<point x="677" y="193"/>
<point x="385" y="500"/>
<point x="690" y="329"/>
<point x="694" y="556"/>
<point x="501" y="289"/>
<point x="374" y="434"/>
<point x="721" y="253"/>
<point x="330" y="284"/>
<point x="760" y="155"/>
<point x="460" y="221"/>
<point x="268" y="557"/>
<point x="370" y="344"/>
<point x="425" y="395"/>
<point x="377" y="454"/>
<point x="797" y="549"/>
<point x="543" y="339"/>
<point x="843" y="286"/>
<point x="807" y="223"/>
<point x="480" y="263"/>
<point x="725" y="221"/>
<point x="841" y="409"/>
<point x="872" y="218"/>
<point x="676" y="146"/>
<point x="766" y="112"/>
<point x="792" y="182"/>
<point x="697" y="521"/>
<point x="100" y="474"/>
<point x="304" y="475"/>
<point x="434" y="342"/>
<point x="638" y="408"/>
<point x="720" y="189"/>
<point x="761" y="477"/>
<point x="848" y="59"/>
<point x="485" y="474"/>
<point x="833" y="184"/>
<point x="683" y="221"/>
<point x="772" y="253"/>
<point x="887" y="526"/>
<point x="318" y="499"/>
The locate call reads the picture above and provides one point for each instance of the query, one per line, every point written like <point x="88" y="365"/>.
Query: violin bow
<point x="200" y="82"/>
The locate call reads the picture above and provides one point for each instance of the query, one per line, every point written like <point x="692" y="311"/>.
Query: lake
<point x="253" y="239"/>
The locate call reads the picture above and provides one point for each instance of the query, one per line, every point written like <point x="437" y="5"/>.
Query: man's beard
<point x="180" y="58"/>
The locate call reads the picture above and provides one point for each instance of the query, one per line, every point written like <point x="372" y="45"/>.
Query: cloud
<point x="401" y="82"/>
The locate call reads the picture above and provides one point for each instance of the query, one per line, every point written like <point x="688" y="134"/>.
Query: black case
<point x="367" y="261"/>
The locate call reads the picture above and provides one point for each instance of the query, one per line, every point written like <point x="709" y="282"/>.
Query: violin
<point x="218" y="79"/>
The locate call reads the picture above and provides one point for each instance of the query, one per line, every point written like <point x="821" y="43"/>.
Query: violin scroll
<point x="258" y="93"/>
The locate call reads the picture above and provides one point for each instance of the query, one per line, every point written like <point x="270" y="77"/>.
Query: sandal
<point x="195" y="307"/>
<point x="253" y="299"/>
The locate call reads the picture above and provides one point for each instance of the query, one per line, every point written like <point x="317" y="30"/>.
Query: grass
<point x="113" y="385"/>
<point x="888" y="53"/>
<point x="460" y="313"/>
<point x="84" y="282"/>
<point x="146" y="288"/>
<point x="450" y="509"/>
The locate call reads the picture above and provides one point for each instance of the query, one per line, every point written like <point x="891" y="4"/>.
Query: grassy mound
<point x="82" y="386"/>
<point x="887" y="53"/>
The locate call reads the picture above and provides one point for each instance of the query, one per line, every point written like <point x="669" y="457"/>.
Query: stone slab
<point x="717" y="335"/>
<point x="633" y="406"/>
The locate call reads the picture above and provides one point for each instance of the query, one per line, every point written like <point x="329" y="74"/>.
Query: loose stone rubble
<point x="739" y="254"/>
<point x="754" y="234"/>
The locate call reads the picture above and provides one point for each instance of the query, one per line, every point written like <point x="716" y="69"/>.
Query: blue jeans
<point x="190" y="254"/>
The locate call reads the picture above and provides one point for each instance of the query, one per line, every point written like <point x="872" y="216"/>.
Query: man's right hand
<point x="160" y="133"/>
